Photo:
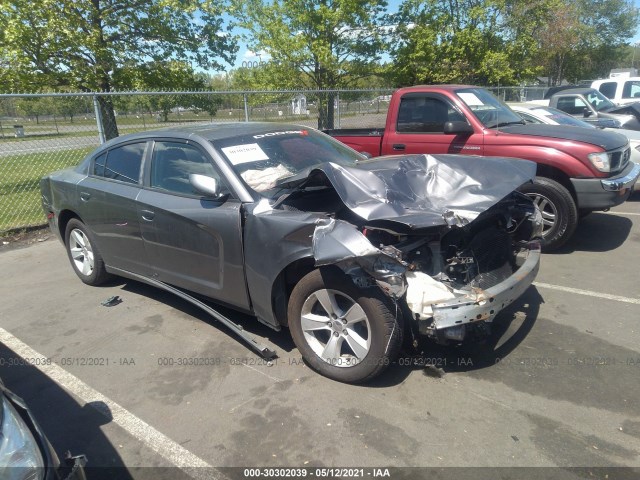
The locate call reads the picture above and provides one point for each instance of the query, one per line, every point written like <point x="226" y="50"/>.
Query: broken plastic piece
<point x="112" y="301"/>
<point x="423" y="291"/>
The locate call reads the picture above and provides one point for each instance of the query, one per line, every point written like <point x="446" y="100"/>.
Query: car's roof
<point x="209" y="131"/>
<point x="579" y="91"/>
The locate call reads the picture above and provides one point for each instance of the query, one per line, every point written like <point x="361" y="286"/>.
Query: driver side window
<point x="419" y="114"/>
<point x="173" y="162"/>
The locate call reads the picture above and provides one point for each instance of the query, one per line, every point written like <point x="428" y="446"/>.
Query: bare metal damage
<point x="424" y="193"/>
<point x="340" y="243"/>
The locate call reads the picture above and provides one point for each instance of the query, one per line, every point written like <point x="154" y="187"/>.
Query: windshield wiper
<point x="505" y="124"/>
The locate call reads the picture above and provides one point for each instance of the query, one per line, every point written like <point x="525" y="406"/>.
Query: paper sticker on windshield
<point x="470" y="99"/>
<point x="250" y="152"/>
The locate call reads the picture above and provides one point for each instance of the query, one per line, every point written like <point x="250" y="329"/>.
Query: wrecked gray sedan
<point x="287" y="224"/>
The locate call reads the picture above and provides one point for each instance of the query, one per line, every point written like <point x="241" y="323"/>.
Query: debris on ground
<point x="24" y="237"/>
<point x="112" y="301"/>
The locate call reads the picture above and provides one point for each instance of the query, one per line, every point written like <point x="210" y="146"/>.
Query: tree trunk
<point x="330" y="111"/>
<point x="109" y="124"/>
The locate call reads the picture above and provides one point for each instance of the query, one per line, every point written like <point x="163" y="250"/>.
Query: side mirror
<point x="586" y="112"/>
<point x="206" y="185"/>
<point x="366" y="154"/>
<point x="458" y="128"/>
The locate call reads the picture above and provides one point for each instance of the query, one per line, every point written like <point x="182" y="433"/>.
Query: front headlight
<point x="602" y="161"/>
<point x="20" y="457"/>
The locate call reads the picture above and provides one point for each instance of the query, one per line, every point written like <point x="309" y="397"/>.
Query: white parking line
<point x="588" y="293"/>
<point x="624" y="213"/>
<point x="179" y="456"/>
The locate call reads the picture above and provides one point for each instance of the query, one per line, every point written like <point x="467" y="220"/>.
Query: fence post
<point x="246" y="108"/>
<point x="338" y="109"/>
<point x="98" y="113"/>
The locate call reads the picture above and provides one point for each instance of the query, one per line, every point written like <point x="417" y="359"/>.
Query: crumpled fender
<point x="339" y="243"/>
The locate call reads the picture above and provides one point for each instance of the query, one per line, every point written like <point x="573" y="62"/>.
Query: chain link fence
<point x="41" y="133"/>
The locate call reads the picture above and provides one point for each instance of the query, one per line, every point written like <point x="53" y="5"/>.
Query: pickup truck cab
<point x="578" y="170"/>
<point x="621" y="90"/>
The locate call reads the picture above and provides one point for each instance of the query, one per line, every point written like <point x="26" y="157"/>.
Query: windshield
<point x="269" y="159"/>
<point x="491" y="112"/>
<point x="599" y="101"/>
<point x="560" y="117"/>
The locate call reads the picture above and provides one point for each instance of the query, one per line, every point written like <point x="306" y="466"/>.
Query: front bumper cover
<point x="601" y="193"/>
<point x="484" y="305"/>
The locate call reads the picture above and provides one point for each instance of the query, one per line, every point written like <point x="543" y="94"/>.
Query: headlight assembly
<point x="602" y="161"/>
<point x="20" y="457"/>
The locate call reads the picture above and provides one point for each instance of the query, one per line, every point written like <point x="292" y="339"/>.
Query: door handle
<point x="398" y="146"/>
<point x="148" y="215"/>
<point x="85" y="196"/>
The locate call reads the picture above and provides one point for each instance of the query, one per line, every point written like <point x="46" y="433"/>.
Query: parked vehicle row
<point x="592" y="106"/>
<point x="351" y="253"/>
<point x="578" y="171"/>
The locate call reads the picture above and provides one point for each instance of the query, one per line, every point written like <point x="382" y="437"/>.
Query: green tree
<point x="83" y="43"/>
<point x="330" y="42"/>
<point x="445" y="41"/>
<point x="575" y="39"/>
<point x="169" y="75"/>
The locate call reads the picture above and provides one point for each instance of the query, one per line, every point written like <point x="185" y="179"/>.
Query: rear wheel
<point x="344" y="332"/>
<point x="83" y="253"/>
<point x="559" y="211"/>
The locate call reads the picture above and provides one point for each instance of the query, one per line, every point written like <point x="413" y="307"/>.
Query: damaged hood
<point x="422" y="191"/>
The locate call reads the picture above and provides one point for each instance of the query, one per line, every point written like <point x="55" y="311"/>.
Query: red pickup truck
<point x="579" y="170"/>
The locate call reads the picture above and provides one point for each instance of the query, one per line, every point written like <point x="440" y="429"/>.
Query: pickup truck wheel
<point x="344" y="332"/>
<point x="559" y="211"/>
<point x="83" y="253"/>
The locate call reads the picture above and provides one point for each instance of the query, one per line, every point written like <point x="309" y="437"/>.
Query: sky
<point x="246" y="55"/>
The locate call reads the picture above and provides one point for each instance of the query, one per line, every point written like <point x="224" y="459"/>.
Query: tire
<point x="559" y="211"/>
<point x="83" y="253"/>
<point x="363" y="346"/>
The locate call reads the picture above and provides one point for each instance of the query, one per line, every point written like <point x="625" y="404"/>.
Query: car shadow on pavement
<point x="249" y="323"/>
<point x="598" y="232"/>
<point x="508" y="330"/>
<point x="635" y="196"/>
<point x="67" y="425"/>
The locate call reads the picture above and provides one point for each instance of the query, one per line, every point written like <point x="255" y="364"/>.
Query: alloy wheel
<point x="336" y="328"/>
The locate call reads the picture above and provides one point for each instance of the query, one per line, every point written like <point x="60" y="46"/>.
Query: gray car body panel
<point x="410" y="192"/>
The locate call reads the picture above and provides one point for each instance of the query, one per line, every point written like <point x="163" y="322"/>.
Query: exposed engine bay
<point x="445" y="275"/>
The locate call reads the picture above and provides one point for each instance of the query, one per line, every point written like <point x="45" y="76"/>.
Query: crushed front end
<point x="453" y="279"/>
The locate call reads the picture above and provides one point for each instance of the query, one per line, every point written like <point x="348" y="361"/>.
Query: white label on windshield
<point x="250" y="152"/>
<point x="470" y="99"/>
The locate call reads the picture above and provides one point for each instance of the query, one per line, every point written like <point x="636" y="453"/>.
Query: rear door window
<point x="121" y="163"/>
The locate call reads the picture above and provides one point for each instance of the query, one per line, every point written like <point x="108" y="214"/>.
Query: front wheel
<point x="559" y="211"/>
<point x="344" y="332"/>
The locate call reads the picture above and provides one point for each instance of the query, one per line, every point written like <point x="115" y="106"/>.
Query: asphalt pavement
<point x="153" y="382"/>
